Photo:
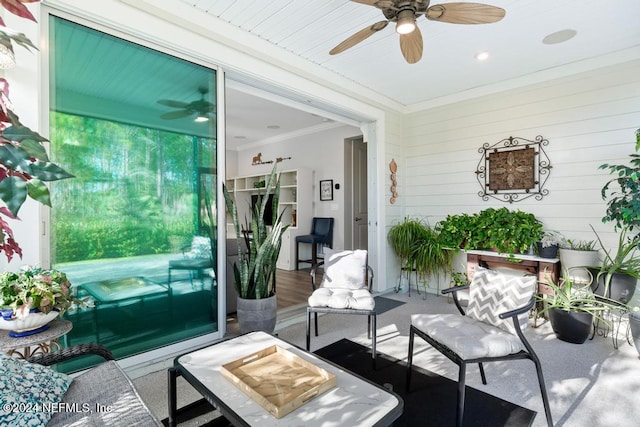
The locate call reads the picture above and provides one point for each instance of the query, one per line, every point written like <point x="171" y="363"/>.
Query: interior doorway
<point x="356" y="203"/>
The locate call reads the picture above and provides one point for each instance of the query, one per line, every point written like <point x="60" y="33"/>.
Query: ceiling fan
<point x="202" y="108"/>
<point x="404" y="13"/>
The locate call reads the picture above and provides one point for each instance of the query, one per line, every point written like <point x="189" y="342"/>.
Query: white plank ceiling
<point x="310" y="28"/>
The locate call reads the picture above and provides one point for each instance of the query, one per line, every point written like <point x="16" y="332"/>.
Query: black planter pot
<point x="548" y="252"/>
<point x="571" y="326"/>
<point x="621" y="288"/>
<point x="634" y="323"/>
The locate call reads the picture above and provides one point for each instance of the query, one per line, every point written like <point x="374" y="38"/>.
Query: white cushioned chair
<point x="491" y="329"/>
<point x="345" y="289"/>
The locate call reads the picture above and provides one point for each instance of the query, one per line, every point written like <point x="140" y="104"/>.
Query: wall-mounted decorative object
<point x="326" y="190"/>
<point x="257" y="160"/>
<point x="514" y="169"/>
<point x="393" y="167"/>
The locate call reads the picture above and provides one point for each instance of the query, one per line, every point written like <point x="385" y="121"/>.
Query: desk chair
<point x="321" y="234"/>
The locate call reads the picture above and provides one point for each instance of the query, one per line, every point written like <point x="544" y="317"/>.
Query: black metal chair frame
<point x="371" y="314"/>
<point x="528" y="353"/>
<point x="327" y="240"/>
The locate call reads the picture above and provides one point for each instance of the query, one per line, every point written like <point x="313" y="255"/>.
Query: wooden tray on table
<point x="278" y="380"/>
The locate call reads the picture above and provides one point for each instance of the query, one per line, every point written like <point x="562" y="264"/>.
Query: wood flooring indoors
<point x="294" y="287"/>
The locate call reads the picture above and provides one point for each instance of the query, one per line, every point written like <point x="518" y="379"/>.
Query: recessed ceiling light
<point x="482" y="56"/>
<point x="559" y="37"/>
<point x="273" y="127"/>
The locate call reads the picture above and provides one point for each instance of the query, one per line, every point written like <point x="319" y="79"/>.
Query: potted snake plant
<point x="255" y="269"/>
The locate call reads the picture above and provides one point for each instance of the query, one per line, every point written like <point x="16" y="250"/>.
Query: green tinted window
<point x="134" y="230"/>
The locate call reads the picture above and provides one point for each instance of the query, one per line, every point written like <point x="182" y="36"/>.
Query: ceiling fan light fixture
<point x="406" y="22"/>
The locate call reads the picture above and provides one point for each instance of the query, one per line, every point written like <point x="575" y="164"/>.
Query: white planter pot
<point x="32" y="322"/>
<point x="576" y="262"/>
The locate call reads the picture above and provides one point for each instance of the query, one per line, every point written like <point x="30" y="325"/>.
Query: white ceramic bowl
<point x="32" y="321"/>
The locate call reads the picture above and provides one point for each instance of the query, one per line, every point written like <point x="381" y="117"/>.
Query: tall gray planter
<point x="257" y="314"/>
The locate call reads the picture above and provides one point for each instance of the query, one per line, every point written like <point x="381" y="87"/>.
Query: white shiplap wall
<point x="589" y="119"/>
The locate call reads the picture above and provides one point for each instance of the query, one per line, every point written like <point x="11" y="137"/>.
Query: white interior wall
<point x="589" y="119"/>
<point x="321" y="153"/>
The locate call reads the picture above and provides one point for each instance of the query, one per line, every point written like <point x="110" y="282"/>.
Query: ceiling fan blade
<point x="411" y="46"/>
<point x="380" y="4"/>
<point x="174" y="104"/>
<point x="465" y="13"/>
<point x="358" y="37"/>
<point x="176" y="114"/>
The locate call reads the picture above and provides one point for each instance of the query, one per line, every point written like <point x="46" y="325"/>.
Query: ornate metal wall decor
<point x="514" y="169"/>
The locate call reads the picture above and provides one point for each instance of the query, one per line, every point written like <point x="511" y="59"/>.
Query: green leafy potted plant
<point x="402" y="238"/>
<point x="429" y="255"/>
<point x="505" y="231"/>
<point x="550" y="243"/>
<point x="572" y="307"/>
<point x="255" y="269"/>
<point x="623" y="209"/>
<point x="455" y="230"/>
<point x="418" y="247"/>
<point x="32" y="297"/>
<point x="500" y="229"/>
<point x="24" y="164"/>
<point x="623" y="192"/>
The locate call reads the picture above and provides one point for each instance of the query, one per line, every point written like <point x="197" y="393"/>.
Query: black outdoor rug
<point x="433" y="398"/>
<point x="385" y="304"/>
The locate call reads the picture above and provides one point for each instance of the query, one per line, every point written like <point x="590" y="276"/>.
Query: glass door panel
<point x="135" y="229"/>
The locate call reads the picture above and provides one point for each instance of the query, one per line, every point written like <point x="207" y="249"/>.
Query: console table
<point x="547" y="269"/>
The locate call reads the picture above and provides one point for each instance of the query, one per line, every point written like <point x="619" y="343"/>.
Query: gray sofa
<point x="106" y="385"/>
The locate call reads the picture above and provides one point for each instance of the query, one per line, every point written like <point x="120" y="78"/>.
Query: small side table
<point x="40" y="343"/>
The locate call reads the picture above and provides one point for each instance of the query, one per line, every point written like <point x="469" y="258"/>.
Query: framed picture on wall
<point x="326" y="190"/>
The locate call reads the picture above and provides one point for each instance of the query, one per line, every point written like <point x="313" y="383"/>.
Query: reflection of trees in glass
<point x="134" y="188"/>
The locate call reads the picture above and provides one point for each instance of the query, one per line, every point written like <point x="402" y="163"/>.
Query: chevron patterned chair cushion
<point x="492" y="293"/>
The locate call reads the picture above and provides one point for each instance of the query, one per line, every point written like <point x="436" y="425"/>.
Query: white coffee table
<point x="354" y="401"/>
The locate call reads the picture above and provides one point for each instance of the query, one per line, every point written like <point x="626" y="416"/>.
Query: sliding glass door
<point x="135" y="230"/>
